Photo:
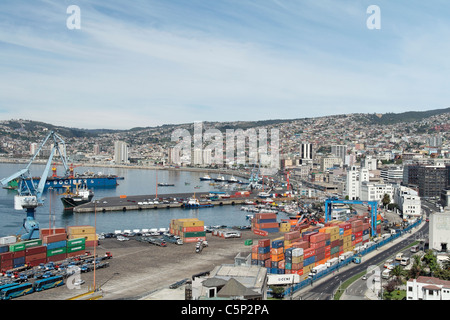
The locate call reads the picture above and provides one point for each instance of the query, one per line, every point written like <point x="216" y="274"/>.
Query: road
<point x="324" y="289"/>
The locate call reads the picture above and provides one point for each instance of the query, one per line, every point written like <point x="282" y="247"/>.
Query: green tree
<point x="398" y="273"/>
<point x="416" y="269"/>
<point x="386" y="200"/>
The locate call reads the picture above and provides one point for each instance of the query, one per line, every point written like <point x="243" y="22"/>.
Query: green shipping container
<point x="54" y="252"/>
<point x="33" y="243"/>
<point x="194" y="234"/>
<point x="76" y="242"/>
<point x="19" y="246"/>
<point x="76" y="248"/>
<point x="248" y="242"/>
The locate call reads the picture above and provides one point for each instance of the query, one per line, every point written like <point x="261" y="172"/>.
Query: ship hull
<point x="94" y="182"/>
<point x="70" y="203"/>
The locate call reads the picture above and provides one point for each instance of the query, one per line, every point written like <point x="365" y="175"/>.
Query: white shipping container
<point x="8" y="240"/>
<point x="297" y="252"/>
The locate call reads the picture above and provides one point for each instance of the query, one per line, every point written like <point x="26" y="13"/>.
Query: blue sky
<point x="152" y="62"/>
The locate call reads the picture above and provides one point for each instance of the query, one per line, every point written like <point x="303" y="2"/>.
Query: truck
<point x="332" y="262"/>
<point x="345" y="255"/>
<point x="317" y="270"/>
<point x="399" y="256"/>
<point x="172" y="238"/>
<point x="386" y="274"/>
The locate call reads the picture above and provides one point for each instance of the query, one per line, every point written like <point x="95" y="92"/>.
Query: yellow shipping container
<point x="187" y="222"/>
<point x="87" y="236"/>
<point x="80" y="229"/>
<point x="298" y="259"/>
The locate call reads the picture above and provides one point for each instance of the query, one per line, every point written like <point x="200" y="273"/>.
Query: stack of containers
<point x="56" y="244"/>
<point x="277" y="257"/>
<point x="345" y="231"/>
<point x="285" y="226"/>
<point x="334" y="240"/>
<point x="6" y="260"/>
<point x="366" y="232"/>
<point x="357" y="232"/>
<point x="379" y="221"/>
<point x="309" y="260"/>
<point x="265" y="222"/>
<point x="36" y="255"/>
<point x="189" y="229"/>
<point x="86" y="232"/>
<point x="18" y="254"/>
<point x="261" y="253"/>
<point x="317" y="242"/>
<point x="291" y="237"/>
<point x="294" y="261"/>
<point x="76" y="247"/>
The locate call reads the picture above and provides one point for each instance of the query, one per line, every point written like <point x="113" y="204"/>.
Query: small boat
<point x="233" y="180"/>
<point x="206" y="178"/>
<point x="197" y="187"/>
<point x="164" y="184"/>
<point x="220" y="179"/>
<point x="187" y="183"/>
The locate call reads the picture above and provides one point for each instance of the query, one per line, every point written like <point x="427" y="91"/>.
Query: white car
<point x="122" y="238"/>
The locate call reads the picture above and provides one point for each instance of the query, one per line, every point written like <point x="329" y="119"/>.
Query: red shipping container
<point x="38" y="256"/>
<point x="264" y="243"/>
<point x="6" y="256"/>
<point x="47" y="231"/>
<point x="19" y="254"/>
<point x="35" y="263"/>
<point x="35" y="250"/>
<point x="268" y="263"/>
<point x="58" y="257"/>
<point x="308" y="252"/>
<point x="318" y="237"/>
<point x="358" y="234"/>
<point x="317" y="245"/>
<point x="94" y="243"/>
<point x="281" y="264"/>
<point x="54" y="238"/>
<point x="327" y="248"/>
<point x="320" y="250"/>
<point x="299" y="272"/>
<point x="76" y="253"/>
<point x="297" y="266"/>
<point x="6" y="265"/>
<point x="267" y="225"/>
<point x="292" y="235"/>
<point x="255" y="248"/>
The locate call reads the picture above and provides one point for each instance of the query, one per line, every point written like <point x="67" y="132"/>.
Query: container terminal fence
<point x="308" y="281"/>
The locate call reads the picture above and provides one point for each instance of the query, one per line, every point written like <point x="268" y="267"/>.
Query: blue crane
<point x="29" y="196"/>
<point x="373" y="210"/>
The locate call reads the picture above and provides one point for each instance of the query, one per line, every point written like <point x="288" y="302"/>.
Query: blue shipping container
<point x="277" y="244"/>
<point x="262" y="250"/>
<point x="4" y="248"/>
<point x="20" y="260"/>
<point x="56" y="245"/>
<point x="271" y="230"/>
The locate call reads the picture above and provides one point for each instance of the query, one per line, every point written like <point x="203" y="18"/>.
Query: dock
<point x="137" y="202"/>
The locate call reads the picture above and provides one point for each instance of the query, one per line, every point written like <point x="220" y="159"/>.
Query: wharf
<point x="122" y="203"/>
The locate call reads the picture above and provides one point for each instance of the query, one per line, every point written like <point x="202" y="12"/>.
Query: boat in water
<point x="206" y="178"/>
<point x="194" y="203"/>
<point x="164" y="184"/>
<point x="220" y="179"/>
<point x="80" y="196"/>
<point x="233" y="180"/>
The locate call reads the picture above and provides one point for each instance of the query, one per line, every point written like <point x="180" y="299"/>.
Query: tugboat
<point x="81" y="196"/>
<point x="194" y="203"/>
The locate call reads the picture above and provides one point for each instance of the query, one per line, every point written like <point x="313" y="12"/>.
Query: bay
<point x="136" y="182"/>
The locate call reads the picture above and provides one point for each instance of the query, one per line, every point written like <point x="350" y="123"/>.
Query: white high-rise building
<point x="355" y="177"/>
<point x="408" y="201"/>
<point x="120" y="152"/>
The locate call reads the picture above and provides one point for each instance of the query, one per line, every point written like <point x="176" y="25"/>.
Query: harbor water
<point x="136" y="182"/>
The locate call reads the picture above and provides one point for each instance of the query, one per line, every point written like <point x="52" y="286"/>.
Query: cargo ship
<point x="194" y="203"/>
<point x="91" y="181"/>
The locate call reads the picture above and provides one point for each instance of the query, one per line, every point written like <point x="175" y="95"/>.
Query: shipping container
<point x="80" y="229"/>
<point x="4" y="248"/>
<point x="35" y="250"/>
<point x="76" y="242"/>
<point x="57" y="251"/>
<point x="38" y="256"/>
<point x="8" y="240"/>
<point x="56" y="245"/>
<point x="52" y="231"/>
<point x="17" y="247"/>
<point x="54" y="238"/>
<point x="57" y="257"/>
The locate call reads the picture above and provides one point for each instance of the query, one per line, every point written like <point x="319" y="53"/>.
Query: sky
<point x="151" y="62"/>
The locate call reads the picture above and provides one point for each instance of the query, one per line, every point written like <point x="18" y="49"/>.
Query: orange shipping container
<point x="193" y="229"/>
<point x="47" y="231"/>
<point x="276" y="251"/>
<point x="277" y="257"/>
<point x="54" y="238"/>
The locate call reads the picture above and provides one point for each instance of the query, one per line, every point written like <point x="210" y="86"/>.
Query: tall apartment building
<point x="339" y="151"/>
<point x="355" y="177"/>
<point x="376" y="191"/>
<point x="306" y="152"/>
<point x="120" y="152"/>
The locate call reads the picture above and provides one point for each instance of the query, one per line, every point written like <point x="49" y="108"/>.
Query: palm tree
<point x="397" y="272"/>
<point x="386" y="200"/>
<point x="416" y="269"/>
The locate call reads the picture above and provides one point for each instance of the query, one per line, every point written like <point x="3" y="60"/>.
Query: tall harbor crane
<point x="29" y="195"/>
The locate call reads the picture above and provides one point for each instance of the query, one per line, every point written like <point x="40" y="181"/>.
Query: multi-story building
<point x="306" y="152"/>
<point x="408" y="202"/>
<point x="375" y="191"/>
<point x="120" y="152"/>
<point x="339" y="151"/>
<point x="439" y="230"/>
<point x="430" y="179"/>
<point x="393" y="174"/>
<point x="330" y="162"/>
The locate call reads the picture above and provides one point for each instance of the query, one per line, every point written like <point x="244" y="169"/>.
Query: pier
<point x="137" y="202"/>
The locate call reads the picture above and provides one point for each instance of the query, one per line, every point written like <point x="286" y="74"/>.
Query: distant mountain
<point x="409" y="116"/>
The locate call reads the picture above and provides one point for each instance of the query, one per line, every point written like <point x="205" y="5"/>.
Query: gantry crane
<point x="29" y="195"/>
